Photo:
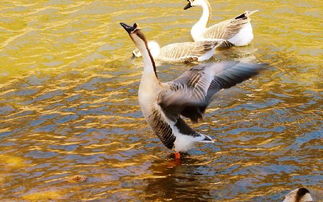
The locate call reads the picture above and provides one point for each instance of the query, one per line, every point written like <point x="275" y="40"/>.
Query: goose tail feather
<point x="206" y="139"/>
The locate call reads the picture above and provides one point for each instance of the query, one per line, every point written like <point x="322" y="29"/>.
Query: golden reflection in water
<point x="68" y="104"/>
<point x="11" y="162"/>
<point x="41" y="196"/>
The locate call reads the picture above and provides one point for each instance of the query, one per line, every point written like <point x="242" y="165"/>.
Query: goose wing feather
<point x="228" y="28"/>
<point x="187" y="49"/>
<point x="191" y="93"/>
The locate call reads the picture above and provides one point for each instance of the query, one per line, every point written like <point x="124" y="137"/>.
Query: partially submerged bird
<point x="181" y="52"/>
<point x="165" y="104"/>
<point x="299" y="195"/>
<point x="236" y="31"/>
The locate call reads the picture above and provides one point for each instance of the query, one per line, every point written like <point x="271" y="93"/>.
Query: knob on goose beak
<point x="128" y="28"/>
<point x="188" y="6"/>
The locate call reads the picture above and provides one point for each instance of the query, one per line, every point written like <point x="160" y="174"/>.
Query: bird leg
<point x="177" y="156"/>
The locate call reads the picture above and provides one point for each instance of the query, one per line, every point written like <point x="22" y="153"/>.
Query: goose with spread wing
<point x="181" y="52"/>
<point x="165" y="104"/>
<point x="236" y="31"/>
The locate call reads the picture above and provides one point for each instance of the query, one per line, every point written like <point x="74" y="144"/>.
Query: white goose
<point x="236" y="31"/>
<point x="181" y="52"/>
<point x="164" y="104"/>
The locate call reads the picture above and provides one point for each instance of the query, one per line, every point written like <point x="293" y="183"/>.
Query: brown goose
<point x="236" y="31"/>
<point x="165" y="104"/>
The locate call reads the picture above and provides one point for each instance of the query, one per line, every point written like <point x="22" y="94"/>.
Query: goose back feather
<point x="226" y="29"/>
<point x="183" y="52"/>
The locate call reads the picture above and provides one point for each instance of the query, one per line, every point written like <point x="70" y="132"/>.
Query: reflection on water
<point x="175" y="179"/>
<point x="68" y="105"/>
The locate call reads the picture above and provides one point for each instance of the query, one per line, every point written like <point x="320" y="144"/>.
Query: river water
<point x="68" y="104"/>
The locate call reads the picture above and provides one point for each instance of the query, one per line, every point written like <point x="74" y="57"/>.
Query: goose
<point x="299" y="195"/>
<point x="181" y="52"/>
<point x="165" y="104"/>
<point x="236" y="31"/>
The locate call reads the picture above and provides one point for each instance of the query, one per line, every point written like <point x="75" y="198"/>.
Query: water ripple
<point x="68" y="105"/>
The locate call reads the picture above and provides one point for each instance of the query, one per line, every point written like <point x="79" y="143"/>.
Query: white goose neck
<point x="200" y="26"/>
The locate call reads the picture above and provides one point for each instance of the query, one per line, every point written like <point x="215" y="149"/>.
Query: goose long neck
<point x="149" y="63"/>
<point x="205" y="15"/>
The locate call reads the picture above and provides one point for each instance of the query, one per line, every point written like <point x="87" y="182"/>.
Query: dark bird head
<point x="135" y="34"/>
<point x="140" y="41"/>
<point x="299" y="195"/>
<point x="129" y="29"/>
<point x="200" y="3"/>
<point x="189" y="5"/>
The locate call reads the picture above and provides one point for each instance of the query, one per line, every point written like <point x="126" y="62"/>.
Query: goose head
<point x="136" y="35"/>
<point x="299" y="195"/>
<point x="153" y="46"/>
<point x="140" y="41"/>
<point x="194" y="3"/>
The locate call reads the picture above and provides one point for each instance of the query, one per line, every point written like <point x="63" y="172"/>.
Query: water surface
<point x="68" y="104"/>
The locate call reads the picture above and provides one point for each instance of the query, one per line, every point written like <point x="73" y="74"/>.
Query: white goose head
<point x="153" y="47"/>
<point x="299" y="195"/>
<point x="195" y="3"/>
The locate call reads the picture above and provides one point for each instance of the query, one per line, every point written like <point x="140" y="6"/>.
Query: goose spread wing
<point x="227" y="29"/>
<point x="187" y="50"/>
<point x="192" y="92"/>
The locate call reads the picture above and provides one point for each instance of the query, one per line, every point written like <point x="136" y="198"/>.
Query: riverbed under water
<point x="68" y="104"/>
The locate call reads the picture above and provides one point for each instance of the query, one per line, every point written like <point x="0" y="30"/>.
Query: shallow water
<point x="68" y="104"/>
